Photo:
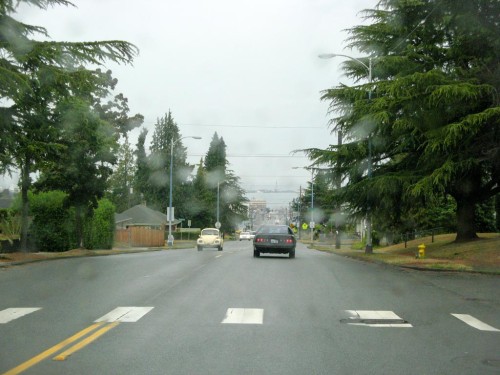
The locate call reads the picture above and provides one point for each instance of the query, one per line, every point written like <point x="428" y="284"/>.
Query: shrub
<point x="51" y="222"/>
<point x="100" y="227"/>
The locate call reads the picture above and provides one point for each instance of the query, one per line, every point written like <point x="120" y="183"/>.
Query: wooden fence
<point x="139" y="236"/>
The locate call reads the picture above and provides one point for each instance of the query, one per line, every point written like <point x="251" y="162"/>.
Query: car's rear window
<point x="274" y="229"/>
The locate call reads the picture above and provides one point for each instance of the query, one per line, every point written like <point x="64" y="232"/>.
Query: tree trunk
<point x="497" y="211"/>
<point x="79" y="225"/>
<point x="467" y="193"/>
<point x="25" y="184"/>
<point x="466" y="220"/>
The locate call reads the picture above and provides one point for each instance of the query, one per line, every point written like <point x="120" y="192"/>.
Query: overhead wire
<point x="245" y="126"/>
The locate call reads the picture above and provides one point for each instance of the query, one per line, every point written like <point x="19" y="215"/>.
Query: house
<point x="141" y="226"/>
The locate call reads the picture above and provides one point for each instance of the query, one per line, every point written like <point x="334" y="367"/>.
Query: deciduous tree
<point x="39" y="75"/>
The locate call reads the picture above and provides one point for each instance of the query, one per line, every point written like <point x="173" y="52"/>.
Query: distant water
<point x="274" y="200"/>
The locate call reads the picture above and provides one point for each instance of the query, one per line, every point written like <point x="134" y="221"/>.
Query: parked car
<point x="210" y="237"/>
<point x="274" y="239"/>
<point x="245" y="236"/>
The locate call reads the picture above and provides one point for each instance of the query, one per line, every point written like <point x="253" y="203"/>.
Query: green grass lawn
<point x="481" y="255"/>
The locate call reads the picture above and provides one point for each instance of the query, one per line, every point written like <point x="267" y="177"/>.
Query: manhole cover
<point x="373" y="321"/>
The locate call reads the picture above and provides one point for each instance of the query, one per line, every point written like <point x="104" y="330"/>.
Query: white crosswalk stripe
<point x="374" y="318"/>
<point x="476" y="323"/>
<point x="244" y="316"/>
<point x="13" y="313"/>
<point x="125" y="314"/>
<point x="367" y="318"/>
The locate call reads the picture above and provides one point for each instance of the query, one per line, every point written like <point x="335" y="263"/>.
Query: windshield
<point x="209" y="232"/>
<point x="249" y="187"/>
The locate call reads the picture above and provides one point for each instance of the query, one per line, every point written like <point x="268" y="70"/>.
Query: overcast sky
<point x="246" y="69"/>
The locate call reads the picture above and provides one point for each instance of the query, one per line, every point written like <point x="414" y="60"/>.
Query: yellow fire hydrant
<point x="421" y="251"/>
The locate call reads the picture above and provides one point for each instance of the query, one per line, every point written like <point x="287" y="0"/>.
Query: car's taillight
<point x="259" y="239"/>
<point x="288" y="240"/>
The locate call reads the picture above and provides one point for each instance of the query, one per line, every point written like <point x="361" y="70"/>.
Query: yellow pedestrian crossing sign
<point x="305" y="226"/>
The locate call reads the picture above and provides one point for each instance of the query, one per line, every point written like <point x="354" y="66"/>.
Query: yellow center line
<point x="84" y="342"/>
<point x="47" y="353"/>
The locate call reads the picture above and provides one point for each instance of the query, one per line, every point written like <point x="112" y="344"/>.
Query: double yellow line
<point x="101" y="328"/>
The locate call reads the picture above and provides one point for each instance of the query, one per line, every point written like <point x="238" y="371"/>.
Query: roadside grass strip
<point x="476" y="323"/>
<point x="243" y="316"/>
<point x="13" y="313"/>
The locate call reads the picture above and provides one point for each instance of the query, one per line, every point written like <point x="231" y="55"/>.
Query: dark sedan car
<point x="274" y="239"/>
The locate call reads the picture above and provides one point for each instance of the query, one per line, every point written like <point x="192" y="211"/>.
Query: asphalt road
<point x="210" y="312"/>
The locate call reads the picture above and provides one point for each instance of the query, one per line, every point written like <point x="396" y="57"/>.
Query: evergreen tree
<point x="120" y="184"/>
<point x="224" y="184"/>
<point x="233" y="209"/>
<point x="199" y="207"/>
<point x="215" y="160"/>
<point x="167" y="133"/>
<point x="432" y="122"/>
<point x="141" y="175"/>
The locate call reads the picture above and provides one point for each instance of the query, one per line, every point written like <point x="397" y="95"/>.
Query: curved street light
<point x="170" y="239"/>
<point x="369" y="245"/>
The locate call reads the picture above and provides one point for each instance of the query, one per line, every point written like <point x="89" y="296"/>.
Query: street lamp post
<point x="313" y="224"/>
<point x="218" y="224"/>
<point x="299" y="227"/>
<point x="369" y="246"/>
<point x="170" y="239"/>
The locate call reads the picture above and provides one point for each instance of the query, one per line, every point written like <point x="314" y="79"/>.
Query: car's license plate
<point x="274" y="241"/>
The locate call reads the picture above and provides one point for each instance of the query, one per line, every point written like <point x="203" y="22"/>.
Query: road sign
<point x="217" y="225"/>
<point x="312" y="224"/>
<point x="305" y="226"/>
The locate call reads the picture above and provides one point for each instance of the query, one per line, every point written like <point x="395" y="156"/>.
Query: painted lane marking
<point x="243" y="316"/>
<point x="476" y="323"/>
<point x="13" y="313"/>
<point x="218" y="256"/>
<point x="47" y="353"/>
<point x="85" y="342"/>
<point x="374" y="318"/>
<point x="125" y="314"/>
<point x="105" y="323"/>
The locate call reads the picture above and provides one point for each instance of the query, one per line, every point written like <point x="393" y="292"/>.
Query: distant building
<point x="257" y="204"/>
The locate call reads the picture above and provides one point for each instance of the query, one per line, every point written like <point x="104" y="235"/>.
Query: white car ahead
<point x="210" y="237"/>
<point x="245" y="236"/>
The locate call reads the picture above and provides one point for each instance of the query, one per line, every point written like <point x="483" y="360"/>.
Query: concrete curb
<point x="117" y="252"/>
